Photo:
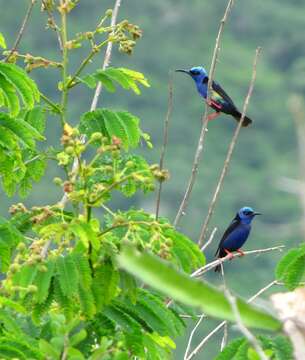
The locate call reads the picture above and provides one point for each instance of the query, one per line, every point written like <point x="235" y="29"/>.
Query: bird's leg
<point x="240" y="252"/>
<point x="231" y="256"/>
<point x="213" y="116"/>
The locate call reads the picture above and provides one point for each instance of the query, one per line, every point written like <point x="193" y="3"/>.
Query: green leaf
<point x="192" y="292"/>
<point x="230" y="350"/>
<point x="120" y="124"/>
<point x="282" y="348"/>
<point x="128" y="79"/>
<point x="105" y="282"/>
<point x="2" y="41"/>
<point x="67" y="275"/>
<point x="36" y="117"/>
<point x="291" y="268"/>
<point x="43" y="282"/>
<point x="21" y="129"/>
<point x="86" y="234"/>
<point x="11" y="99"/>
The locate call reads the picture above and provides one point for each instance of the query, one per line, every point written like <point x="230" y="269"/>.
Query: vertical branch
<point x="107" y="57"/>
<point x="52" y="24"/>
<point x="165" y="138"/>
<point x="64" y="97"/>
<point x="22" y="29"/>
<point x="229" y="153"/>
<point x="203" y="131"/>
<point x="97" y="93"/>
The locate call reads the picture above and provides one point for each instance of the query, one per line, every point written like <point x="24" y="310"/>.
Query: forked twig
<point x="189" y="343"/>
<point x="229" y="153"/>
<point x="22" y="29"/>
<point x="165" y="138"/>
<point x="222" y="324"/>
<point x="203" y="131"/>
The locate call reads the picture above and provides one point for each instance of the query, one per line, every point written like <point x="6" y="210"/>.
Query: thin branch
<point x="220" y="261"/>
<point x="189" y="343"/>
<point x="203" y="131"/>
<point x="53" y="24"/>
<point x="243" y="329"/>
<point x="165" y="137"/>
<point x="230" y="152"/>
<point x="22" y="29"/>
<point x="97" y="93"/>
<point x="223" y="323"/>
<point x="107" y="57"/>
<point x="211" y="238"/>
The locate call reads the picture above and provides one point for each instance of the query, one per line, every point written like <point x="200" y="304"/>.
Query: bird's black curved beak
<point x="182" y="70"/>
<point x="257" y="213"/>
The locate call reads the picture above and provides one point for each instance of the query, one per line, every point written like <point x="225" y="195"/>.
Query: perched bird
<point x="220" y="101"/>
<point x="236" y="234"/>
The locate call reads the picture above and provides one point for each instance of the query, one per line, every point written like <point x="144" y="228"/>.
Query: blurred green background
<point x="181" y="34"/>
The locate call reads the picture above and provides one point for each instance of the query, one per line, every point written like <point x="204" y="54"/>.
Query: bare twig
<point x="220" y="261"/>
<point x="107" y="57"/>
<point x="243" y="329"/>
<point x="22" y="29"/>
<point x="223" y="323"/>
<point x="203" y="131"/>
<point x="211" y="238"/>
<point x="165" y="138"/>
<point x="265" y="288"/>
<point x="97" y="93"/>
<point x="189" y="343"/>
<point x="230" y="152"/>
<point x="53" y="24"/>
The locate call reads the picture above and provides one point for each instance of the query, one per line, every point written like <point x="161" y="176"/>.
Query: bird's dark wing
<point x="235" y="222"/>
<point x="216" y="87"/>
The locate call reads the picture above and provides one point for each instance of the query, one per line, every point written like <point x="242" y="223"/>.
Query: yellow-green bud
<point x="69" y="150"/>
<point x="57" y="181"/>
<point x="108" y="12"/>
<point x="14" y="268"/>
<point x="96" y="136"/>
<point x="21" y="246"/>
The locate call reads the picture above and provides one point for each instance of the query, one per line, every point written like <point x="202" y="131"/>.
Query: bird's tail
<point x="237" y="115"/>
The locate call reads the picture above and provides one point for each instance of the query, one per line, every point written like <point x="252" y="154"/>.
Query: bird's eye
<point x="195" y="72"/>
<point x="247" y="212"/>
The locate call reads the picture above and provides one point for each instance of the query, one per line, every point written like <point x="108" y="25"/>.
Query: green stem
<point x="85" y="62"/>
<point x="51" y="103"/>
<point x="114" y="184"/>
<point x="128" y="223"/>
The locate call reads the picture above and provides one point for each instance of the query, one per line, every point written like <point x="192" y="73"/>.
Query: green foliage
<point x="126" y="78"/>
<point x="60" y="278"/>
<point x="14" y="81"/>
<point x="277" y="348"/>
<point x="195" y="293"/>
<point x="291" y="268"/>
<point x="119" y="124"/>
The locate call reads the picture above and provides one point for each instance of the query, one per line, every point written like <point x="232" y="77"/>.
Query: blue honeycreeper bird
<point x="220" y="101"/>
<point x="236" y="234"/>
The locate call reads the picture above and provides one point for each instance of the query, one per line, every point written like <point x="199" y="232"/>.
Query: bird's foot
<point x="213" y="116"/>
<point x="240" y="252"/>
<point x="229" y="254"/>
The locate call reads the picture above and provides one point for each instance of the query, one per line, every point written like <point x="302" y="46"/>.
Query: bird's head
<point x="247" y="214"/>
<point x="198" y="73"/>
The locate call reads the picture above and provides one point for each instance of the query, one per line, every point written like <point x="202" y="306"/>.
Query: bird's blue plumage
<point x="219" y="100"/>
<point x="237" y="233"/>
